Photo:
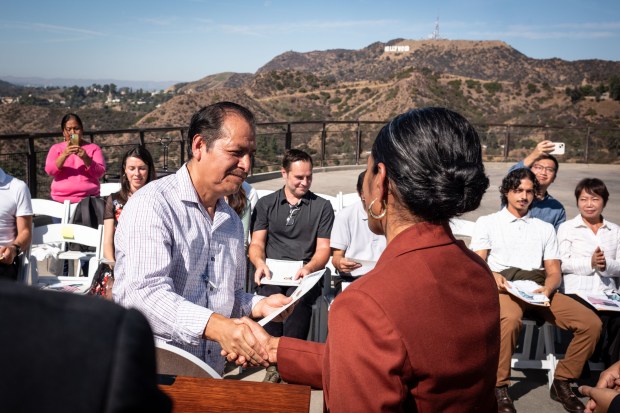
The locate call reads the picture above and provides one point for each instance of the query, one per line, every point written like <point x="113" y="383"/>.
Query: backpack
<point x="89" y="212"/>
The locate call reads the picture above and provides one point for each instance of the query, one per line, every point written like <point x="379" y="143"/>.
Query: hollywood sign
<point x="396" y="49"/>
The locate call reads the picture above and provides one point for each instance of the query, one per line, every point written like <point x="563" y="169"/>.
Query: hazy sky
<point x="185" y="40"/>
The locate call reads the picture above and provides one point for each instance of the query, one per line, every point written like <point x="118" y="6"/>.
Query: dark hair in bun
<point x="434" y="159"/>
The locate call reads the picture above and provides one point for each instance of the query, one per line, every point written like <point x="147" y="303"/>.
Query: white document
<point x="282" y="272"/>
<point x="306" y="284"/>
<point x="602" y="301"/>
<point x="366" y="267"/>
<point x="523" y="289"/>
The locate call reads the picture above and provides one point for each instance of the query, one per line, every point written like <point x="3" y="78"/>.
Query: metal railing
<point x="329" y="142"/>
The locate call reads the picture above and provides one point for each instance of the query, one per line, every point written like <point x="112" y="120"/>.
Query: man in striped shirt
<point x="180" y="256"/>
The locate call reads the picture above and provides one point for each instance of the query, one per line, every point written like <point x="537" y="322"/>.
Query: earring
<point x="381" y="214"/>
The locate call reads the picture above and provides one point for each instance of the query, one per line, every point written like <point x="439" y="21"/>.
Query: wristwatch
<point x="18" y="249"/>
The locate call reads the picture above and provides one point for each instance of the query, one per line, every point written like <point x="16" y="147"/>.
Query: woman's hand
<point x="598" y="260"/>
<point x="83" y="156"/>
<point x="69" y="150"/>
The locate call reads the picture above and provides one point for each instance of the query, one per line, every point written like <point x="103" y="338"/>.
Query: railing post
<point x="141" y="137"/>
<point x="587" y="150"/>
<point x="507" y="144"/>
<point x="323" y="139"/>
<point x="32" y="168"/>
<point x="182" y="146"/>
<point x="358" y="145"/>
<point x="288" y="138"/>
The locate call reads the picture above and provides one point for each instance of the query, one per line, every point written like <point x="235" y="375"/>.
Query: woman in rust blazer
<point x="421" y="331"/>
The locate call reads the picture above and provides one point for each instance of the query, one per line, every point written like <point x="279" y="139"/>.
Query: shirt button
<point x="210" y="288"/>
<point x="212" y="258"/>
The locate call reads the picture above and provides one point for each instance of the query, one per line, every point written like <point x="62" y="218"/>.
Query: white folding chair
<point x="109" y="188"/>
<point x="175" y="361"/>
<point x="263" y="192"/>
<point x="51" y="209"/>
<point x="333" y="200"/>
<point x="77" y="234"/>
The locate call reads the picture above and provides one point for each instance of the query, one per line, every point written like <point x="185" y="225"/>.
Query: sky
<point x="185" y="40"/>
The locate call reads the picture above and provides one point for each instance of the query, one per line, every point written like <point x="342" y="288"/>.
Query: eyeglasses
<point x="540" y="168"/>
<point x="290" y="220"/>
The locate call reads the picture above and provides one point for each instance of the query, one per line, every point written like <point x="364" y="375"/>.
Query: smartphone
<point x="74" y="139"/>
<point x="559" y="148"/>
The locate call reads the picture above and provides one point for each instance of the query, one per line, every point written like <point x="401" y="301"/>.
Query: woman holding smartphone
<point x="75" y="165"/>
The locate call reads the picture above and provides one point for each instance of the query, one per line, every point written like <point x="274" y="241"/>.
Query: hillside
<point x="487" y="81"/>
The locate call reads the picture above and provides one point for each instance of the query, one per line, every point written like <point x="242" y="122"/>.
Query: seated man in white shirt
<point x="352" y="239"/>
<point x="513" y="242"/>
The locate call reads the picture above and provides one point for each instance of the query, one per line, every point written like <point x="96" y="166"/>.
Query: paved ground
<point x="529" y="389"/>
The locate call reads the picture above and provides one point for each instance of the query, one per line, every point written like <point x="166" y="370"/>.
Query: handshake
<point x="243" y="340"/>
<point x="258" y="348"/>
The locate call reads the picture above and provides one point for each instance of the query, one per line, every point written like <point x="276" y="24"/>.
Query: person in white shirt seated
<point x="517" y="246"/>
<point x="351" y="239"/>
<point x="590" y="252"/>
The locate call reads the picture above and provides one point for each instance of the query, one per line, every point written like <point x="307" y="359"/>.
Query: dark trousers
<point x="9" y="271"/>
<point x="297" y="324"/>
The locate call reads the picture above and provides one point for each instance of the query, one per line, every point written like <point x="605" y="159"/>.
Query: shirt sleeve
<point x="551" y="251"/>
<point x="23" y="201"/>
<point x="244" y="302"/>
<point x="97" y="164"/>
<point x="144" y="262"/>
<point x="340" y="237"/>
<point x="50" y="161"/>
<point x="260" y="215"/>
<point x="481" y="239"/>
<point x="326" y="221"/>
<point x="571" y="262"/>
<point x="108" y="212"/>
<point x="612" y="254"/>
<point x="516" y="166"/>
<point x="561" y="219"/>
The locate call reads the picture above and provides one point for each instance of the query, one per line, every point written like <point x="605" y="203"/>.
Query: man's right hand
<point x="544" y="147"/>
<point x="501" y="281"/>
<point x="345" y="265"/>
<point x="261" y="271"/>
<point x="236" y="338"/>
<point x="268" y="342"/>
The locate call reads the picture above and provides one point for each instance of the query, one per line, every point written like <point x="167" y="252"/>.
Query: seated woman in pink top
<point x="75" y="164"/>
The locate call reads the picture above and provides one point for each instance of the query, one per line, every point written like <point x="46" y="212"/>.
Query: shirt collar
<point x="577" y="222"/>
<point x="282" y="197"/>
<point x="508" y="217"/>
<point x="188" y="193"/>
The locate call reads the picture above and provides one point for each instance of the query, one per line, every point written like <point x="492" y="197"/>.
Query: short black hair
<point x="512" y="181"/>
<point x="592" y="186"/>
<point x="208" y="121"/>
<point x="360" y="182"/>
<point x="294" y="155"/>
<point x="433" y="158"/>
<point x="67" y="118"/>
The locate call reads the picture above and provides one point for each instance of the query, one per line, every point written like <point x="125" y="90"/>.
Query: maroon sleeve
<point x="301" y="362"/>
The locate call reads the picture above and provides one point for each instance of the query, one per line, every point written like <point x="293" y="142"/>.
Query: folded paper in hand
<point x="306" y="284"/>
<point x="524" y="290"/>
<point x="282" y="272"/>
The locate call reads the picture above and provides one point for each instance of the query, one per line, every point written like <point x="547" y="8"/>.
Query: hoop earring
<point x="381" y="214"/>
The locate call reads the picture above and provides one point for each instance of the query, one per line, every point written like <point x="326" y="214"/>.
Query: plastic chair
<point x="333" y="200"/>
<point x="77" y="234"/>
<point x="108" y="188"/>
<point x="52" y="209"/>
<point x="263" y="192"/>
<point x="172" y="360"/>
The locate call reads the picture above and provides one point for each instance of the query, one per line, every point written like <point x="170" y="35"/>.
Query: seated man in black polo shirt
<point x="291" y="224"/>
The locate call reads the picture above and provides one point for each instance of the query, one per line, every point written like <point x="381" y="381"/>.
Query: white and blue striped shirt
<point x="178" y="266"/>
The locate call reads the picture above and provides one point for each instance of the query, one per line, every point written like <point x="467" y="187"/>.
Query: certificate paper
<point x="523" y="289"/>
<point x="366" y="266"/>
<point x="282" y="272"/>
<point x="306" y="284"/>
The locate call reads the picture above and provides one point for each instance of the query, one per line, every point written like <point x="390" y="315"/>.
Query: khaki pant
<point x="564" y="312"/>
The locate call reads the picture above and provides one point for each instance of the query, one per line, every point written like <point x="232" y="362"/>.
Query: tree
<point x="614" y="87"/>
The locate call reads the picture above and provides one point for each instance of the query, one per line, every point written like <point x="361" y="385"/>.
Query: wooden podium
<point x="190" y="394"/>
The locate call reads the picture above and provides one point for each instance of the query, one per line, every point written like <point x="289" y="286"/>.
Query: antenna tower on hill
<point x="435" y="35"/>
